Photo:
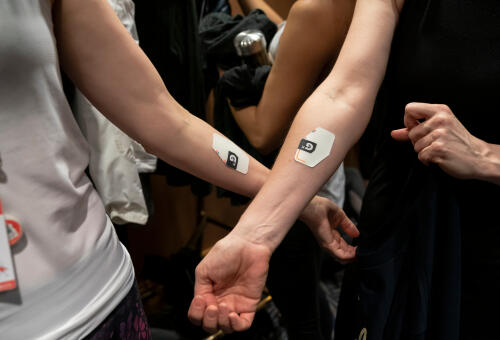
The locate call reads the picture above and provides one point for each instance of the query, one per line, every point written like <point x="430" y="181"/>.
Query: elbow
<point x="263" y="142"/>
<point x="266" y="147"/>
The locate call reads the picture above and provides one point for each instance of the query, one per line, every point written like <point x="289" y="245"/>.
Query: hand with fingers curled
<point x="438" y="137"/>
<point x="231" y="278"/>
<point x="229" y="284"/>
<point x="323" y="218"/>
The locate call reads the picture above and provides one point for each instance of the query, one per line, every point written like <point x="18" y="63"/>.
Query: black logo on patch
<point x="232" y="160"/>
<point x="307" y="146"/>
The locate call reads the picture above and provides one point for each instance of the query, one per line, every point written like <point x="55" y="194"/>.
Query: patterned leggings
<point x="126" y="322"/>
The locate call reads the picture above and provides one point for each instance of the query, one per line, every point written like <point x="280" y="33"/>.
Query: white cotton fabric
<point x="275" y="41"/>
<point x="71" y="268"/>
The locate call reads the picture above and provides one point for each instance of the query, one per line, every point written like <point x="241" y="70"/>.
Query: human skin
<point x="438" y="137"/>
<point x="309" y="46"/>
<point x="105" y="63"/>
<point x="226" y="296"/>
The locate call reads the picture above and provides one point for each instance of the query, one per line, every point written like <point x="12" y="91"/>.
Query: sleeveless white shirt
<point x="72" y="271"/>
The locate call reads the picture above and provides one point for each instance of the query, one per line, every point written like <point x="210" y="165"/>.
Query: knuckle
<point x="423" y="157"/>
<point x="440" y="119"/>
<point x="412" y="134"/>
<point x="434" y="158"/>
<point x="444" y="108"/>
<point x="438" y="133"/>
<point x="438" y="148"/>
<point x="409" y="106"/>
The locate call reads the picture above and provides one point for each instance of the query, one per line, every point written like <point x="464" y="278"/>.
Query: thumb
<point x="401" y="135"/>
<point x="340" y="219"/>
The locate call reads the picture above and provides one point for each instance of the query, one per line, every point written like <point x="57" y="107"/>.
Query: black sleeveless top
<point x="429" y="250"/>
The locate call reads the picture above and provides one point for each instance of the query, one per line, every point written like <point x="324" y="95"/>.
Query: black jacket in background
<point x="168" y="34"/>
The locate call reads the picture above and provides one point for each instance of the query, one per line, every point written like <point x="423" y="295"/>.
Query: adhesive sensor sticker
<point x="231" y="154"/>
<point x="315" y="147"/>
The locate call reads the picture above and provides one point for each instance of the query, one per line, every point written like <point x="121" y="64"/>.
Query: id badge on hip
<point x="7" y="272"/>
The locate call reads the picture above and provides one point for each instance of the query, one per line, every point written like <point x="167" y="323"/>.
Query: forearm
<point x="249" y="5"/>
<point x="316" y="27"/>
<point x="112" y="71"/>
<point x="187" y="144"/>
<point x="341" y="105"/>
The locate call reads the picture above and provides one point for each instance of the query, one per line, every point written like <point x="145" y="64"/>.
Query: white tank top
<point x="71" y="269"/>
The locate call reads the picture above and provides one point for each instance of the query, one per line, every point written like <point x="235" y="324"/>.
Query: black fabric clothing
<point x="210" y="6"/>
<point x="168" y="34"/>
<point x="293" y="281"/>
<point x="217" y="32"/>
<point x="242" y="86"/>
<point x="428" y="255"/>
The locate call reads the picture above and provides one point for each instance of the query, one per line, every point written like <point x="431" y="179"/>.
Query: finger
<point x="339" y="248"/>
<point x="210" y="319"/>
<point x="401" y="135"/>
<point x="203" y="284"/>
<point x="431" y="154"/>
<point x="241" y="322"/>
<point x="346" y="251"/>
<point x="196" y="310"/>
<point x="346" y="224"/>
<point x="420" y="131"/>
<point x="224" y="323"/>
<point x="427" y="140"/>
<point x="414" y="112"/>
<point x="342" y="252"/>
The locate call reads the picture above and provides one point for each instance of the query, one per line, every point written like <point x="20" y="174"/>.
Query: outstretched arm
<point x="115" y="75"/>
<point x="106" y="64"/>
<point x="308" y="48"/>
<point x="342" y="105"/>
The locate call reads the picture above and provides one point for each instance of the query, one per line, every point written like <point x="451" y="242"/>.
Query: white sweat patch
<point x="315" y="147"/>
<point x="231" y="154"/>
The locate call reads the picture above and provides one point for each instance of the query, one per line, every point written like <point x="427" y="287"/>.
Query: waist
<point x="74" y="301"/>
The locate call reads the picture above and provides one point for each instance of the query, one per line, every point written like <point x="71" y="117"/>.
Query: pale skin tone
<point x="105" y="63"/>
<point x="294" y="75"/>
<point x="316" y="26"/>
<point x="225" y="298"/>
<point x="438" y="137"/>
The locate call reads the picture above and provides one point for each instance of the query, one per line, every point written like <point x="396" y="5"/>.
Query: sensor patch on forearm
<point x="315" y="147"/>
<point x="231" y="154"/>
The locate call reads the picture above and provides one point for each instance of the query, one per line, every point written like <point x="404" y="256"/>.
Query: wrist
<point x="488" y="167"/>
<point x="263" y="235"/>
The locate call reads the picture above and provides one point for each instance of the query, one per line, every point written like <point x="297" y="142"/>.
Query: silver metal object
<point x="251" y="46"/>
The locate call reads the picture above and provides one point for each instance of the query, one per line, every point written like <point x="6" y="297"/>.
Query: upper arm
<point x="363" y="58"/>
<point x="106" y="64"/>
<point x="313" y="36"/>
